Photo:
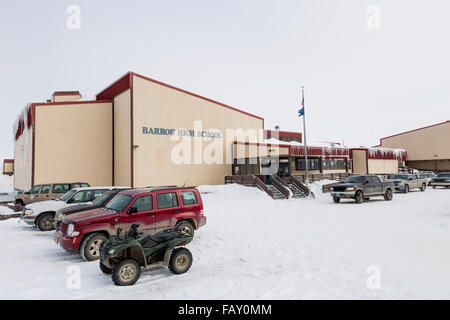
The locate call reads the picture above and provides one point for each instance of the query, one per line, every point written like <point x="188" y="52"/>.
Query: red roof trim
<point x="126" y="82"/>
<point x="433" y="125"/>
<point x="8" y="160"/>
<point x="284" y="134"/>
<point x="66" y="93"/>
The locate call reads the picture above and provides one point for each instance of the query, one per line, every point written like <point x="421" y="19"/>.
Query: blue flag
<point x="301" y="112"/>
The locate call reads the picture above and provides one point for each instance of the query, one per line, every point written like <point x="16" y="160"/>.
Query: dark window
<point x="75" y="185"/>
<point x="35" y="189"/>
<point x="313" y="164"/>
<point x="119" y="202"/>
<point x="84" y="185"/>
<point x="333" y="164"/>
<point x="98" y="193"/>
<point x="188" y="198"/>
<point x="45" y="188"/>
<point x="144" y="203"/>
<point x="167" y="200"/>
<point x="60" y="188"/>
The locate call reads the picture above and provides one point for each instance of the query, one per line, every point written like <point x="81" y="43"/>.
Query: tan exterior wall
<point x="383" y="166"/>
<point x="359" y="161"/>
<point x="8" y="168"/>
<point x="440" y="165"/>
<point x="61" y="98"/>
<point x="122" y="139"/>
<point x="157" y="106"/>
<point x="23" y="151"/>
<point x="73" y="143"/>
<point x="425" y="144"/>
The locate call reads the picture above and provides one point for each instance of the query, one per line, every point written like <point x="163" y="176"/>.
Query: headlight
<point x="71" y="232"/>
<point x="350" y="189"/>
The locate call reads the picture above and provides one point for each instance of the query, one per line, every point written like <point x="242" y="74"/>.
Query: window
<point x="84" y="185"/>
<point x="333" y="164"/>
<point x="188" y="198"/>
<point x="82" y="196"/>
<point x="45" y="188"/>
<point x="35" y="189"/>
<point x="60" y="188"/>
<point x="75" y="185"/>
<point x="119" y="202"/>
<point x="313" y="164"/>
<point x="144" y="203"/>
<point x="98" y="193"/>
<point x="167" y="200"/>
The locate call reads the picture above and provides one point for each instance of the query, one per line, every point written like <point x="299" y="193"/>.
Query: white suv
<point x="42" y="213"/>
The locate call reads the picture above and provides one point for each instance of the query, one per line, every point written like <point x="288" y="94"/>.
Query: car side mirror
<point x="366" y="182"/>
<point x="70" y="200"/>
<point x="132" y="210"/>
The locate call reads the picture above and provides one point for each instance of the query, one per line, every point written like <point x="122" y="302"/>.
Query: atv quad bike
<point x="124" y="256"/>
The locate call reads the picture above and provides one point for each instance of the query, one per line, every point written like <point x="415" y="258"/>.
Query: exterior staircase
<point x="276" y="194"/>
<point x="296" y="192"/>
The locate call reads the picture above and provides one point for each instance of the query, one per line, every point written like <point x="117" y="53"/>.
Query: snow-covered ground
<point x="253" y="247"/>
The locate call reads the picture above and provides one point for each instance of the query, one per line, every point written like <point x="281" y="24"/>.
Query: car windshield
<point x="119" y="202"/>
<point x="444" y="174"/>
<point x="357" y="179"/>
<point x="67" y="195"/>
<point x="104" y="197"/>
<point x="399" y="176"/>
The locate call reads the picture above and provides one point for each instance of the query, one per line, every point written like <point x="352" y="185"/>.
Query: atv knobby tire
<point x="180" y="260"/>
<point x="104" y="268"/>
<point x="126" y="272"/>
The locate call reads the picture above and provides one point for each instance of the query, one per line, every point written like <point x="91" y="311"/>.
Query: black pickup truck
<point x="362" y="187"/>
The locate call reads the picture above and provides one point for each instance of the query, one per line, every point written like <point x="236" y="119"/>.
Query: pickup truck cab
<point x="154" y="209"/>
<point x="362" y="187"/>
<point x="441" y="180"/>
<point x="42" y="213"/>
<point x="43" y="192"/>
<point x="406" y="182"/>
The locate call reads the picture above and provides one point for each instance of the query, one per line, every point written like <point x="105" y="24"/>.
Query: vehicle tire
<point x="424" y="187"/>
<point x="358" y="196"/>
<point x="90" y="247"/>
<point x="388" y="195"/>
<point x="180" y="260"/>
<point x="104" y="268"/>
<point x="406" y="189"/>
<point x="45" y="222"/>
<point x="126" y="272"/>
<point x="19" y="202"/>
<point x="336" y="199"/>
<point x="186" y="227"/>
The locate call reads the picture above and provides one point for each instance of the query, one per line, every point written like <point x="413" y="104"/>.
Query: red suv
<point x="154" y="209"/>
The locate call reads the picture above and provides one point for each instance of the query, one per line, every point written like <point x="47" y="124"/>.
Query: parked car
<point x="42" y="213"/>
<point x="441" y="180"/>
<point x="362" y="187"/>
<point x="428" y="175"/>
<point x="154" y="209"/>
<point x="406" y="182"/>
<point x="43" y="192"/>
<point x="101" y="201"/>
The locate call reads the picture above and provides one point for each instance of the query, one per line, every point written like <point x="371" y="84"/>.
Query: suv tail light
<point x="201" y="210"/>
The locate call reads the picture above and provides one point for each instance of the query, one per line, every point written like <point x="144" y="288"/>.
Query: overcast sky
<point x="362" y="82"/>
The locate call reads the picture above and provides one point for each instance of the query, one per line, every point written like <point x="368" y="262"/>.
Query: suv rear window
<point x="188" y="198"/>
<point x="60" y="188"/>
<point x="166" y="200"/>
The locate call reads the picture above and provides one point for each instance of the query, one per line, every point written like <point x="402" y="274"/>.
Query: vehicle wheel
<point x="126" y="272"/>
<point x="388" y="195"/>
<point x="336" y="199"/>
<point x="104" y="268"/>
<point x="180" y="261"/>
<point x="90" y="247"/>
<point x="406" y="189"/>
<point x="20" y="202"/>
<point x="424" y="187"/>
<point x="45" y="222"/>
<point x="358" y="197"/>
<point x="185" y="227"/>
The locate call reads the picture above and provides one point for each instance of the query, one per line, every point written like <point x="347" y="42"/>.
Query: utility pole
<point x="304" y="138"/>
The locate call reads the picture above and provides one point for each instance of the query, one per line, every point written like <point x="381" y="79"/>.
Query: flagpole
<point x="304" y="139"/>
